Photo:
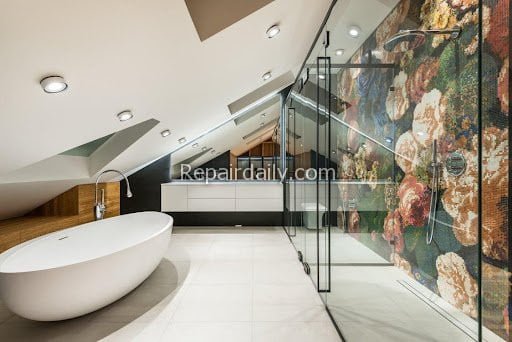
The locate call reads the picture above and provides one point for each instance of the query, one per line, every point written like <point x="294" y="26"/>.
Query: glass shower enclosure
<point x="382" y="203"/>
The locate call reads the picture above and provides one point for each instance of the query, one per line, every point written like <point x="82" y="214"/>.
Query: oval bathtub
<point x="78" y="270"/>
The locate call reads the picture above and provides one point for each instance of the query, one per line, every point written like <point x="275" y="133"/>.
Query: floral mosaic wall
<point x="434" y="94"/>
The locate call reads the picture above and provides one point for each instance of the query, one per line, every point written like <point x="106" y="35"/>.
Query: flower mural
<point x="455" y="284"/>
<point x="494" y="186"/>
<point x="418" y="84"/>
<point x="353" y="221"/>
<point x="347" y="167"/>
<point x="503" y="88"/>
<point x="436" y="97"/>
<point x="401" y="263"/>
<point x="463" y="4"/>
<point x="438" y="14"/>
<point x="414" y="202"/>
<point x="406" y="152"/>
<point x="429" y="116"/>
<point x="498" y="38"/>
<point x="397" y="101"/>
<point x="393" y="230"/>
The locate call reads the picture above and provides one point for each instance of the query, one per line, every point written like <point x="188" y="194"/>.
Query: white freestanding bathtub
<point x="77" y="270"/>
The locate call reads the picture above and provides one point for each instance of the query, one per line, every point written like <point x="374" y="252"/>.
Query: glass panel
<point x="496" y="205"/>
<point x="393" y="240"/>
<point x="404" y="253"/>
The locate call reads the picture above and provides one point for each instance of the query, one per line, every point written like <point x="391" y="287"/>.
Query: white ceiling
<point x="140" y="55"/>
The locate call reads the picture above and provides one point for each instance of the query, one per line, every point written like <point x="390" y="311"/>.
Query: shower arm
<point x="455" y="32"/>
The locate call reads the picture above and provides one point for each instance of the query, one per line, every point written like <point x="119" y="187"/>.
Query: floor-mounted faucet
<point x="100" y="207"/>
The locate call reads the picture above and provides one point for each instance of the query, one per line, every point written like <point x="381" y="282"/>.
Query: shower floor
<point x="372" y="300"/>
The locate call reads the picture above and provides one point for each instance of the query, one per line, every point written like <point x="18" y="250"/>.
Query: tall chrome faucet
<point x="99" y="206"/>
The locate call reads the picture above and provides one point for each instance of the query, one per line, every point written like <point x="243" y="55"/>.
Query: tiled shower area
<point x="408" y="239"/>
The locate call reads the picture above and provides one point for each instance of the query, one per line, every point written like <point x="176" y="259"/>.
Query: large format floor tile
<point x="214" y="284"/>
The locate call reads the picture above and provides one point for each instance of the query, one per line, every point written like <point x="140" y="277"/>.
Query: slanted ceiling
<point x="145" y="56"/>
<point x="213" y="16"/>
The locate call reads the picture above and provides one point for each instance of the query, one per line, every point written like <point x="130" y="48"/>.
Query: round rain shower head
<point x="406" y="40"/>
<point x="411" y="39"/>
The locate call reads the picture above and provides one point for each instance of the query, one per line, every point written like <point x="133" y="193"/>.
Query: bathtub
<point x="78" y="270"/>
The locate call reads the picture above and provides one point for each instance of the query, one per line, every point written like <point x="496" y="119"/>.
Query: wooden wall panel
<point x="73" y="207"/>
<point x="66" y="204"/>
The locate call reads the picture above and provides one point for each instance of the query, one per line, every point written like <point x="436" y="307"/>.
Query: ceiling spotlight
<point x="125" y="115"/>
<point x="165" y="133"/>
<point x="195" y="145"/>
<point x="53" y="84"/>
<point x="182" y="140"/>
<point x="339" y="52"/>
<point x="204" y="148"/>
<point x="321" y="76"/>
<point x="266" y="76"/>
<point x="389" y="140"/>
<point x="354" y="31"/>
<point x="262" y="124"/>
<point x="263" y="115"/>
<point x="273" y="31"/>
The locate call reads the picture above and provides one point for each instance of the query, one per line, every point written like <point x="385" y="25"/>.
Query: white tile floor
<point x="370" y="303"/>
<point x="214" y="284"/>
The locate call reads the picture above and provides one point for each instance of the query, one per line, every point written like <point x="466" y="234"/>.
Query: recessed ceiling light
<point x="354" y="31"/>
<point x="195" y="145"/>
<point x="125" y="115"/>
<point x="165" y="133"/>
<point x="321" y="76"/>
<point x="53" y="84"/>
<point x="204" y="148"/>
<point x="262" y="124"/>
<point x="263" y="115"/>
<point x="273" y="31"/>
<point x="389" y="140"/>
<point x="266" y="75"/>
<point x="182" y="140"/>
<point x="339" y="52"/>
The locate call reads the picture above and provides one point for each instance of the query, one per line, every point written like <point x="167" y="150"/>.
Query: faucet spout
<point x="99" y="207"/>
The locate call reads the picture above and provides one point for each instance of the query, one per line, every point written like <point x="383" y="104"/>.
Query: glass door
<point x="405" y="245"/>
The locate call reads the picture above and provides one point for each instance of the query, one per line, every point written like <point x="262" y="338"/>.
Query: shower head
<point x="412" y="39"/>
